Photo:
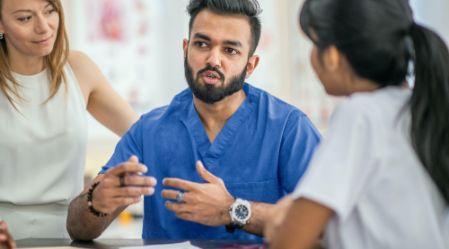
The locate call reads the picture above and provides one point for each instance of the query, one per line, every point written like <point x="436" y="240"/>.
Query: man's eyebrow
<point x="233" y="43"/>
<point x="201" y="36"/>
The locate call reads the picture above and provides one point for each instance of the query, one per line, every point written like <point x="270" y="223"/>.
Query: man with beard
<point x="223" y="151"/>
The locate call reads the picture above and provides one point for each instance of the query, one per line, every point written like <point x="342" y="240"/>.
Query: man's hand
<point x="205" y="203"/>
<point x="117" y="188"/>
<point x="122" y="186"/>
<point x="6" y="240"/>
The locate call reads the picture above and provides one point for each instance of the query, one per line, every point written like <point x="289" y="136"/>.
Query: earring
<point x="1" y="36"/>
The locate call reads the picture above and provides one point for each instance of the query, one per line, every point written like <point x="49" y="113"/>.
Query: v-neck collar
<point x="198" y="133"/>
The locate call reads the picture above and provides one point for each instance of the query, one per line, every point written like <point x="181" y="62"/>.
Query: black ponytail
<point x="379" y="38"/>
<point x="430" y="105"/>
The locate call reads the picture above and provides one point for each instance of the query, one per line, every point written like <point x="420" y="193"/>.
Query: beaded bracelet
<point x="89" y="202"/>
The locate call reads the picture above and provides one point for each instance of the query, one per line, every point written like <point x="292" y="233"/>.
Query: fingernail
<point x="150" y="191"/>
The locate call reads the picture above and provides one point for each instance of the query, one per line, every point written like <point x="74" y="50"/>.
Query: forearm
<point x="260" y="212"/>
<point x="84" y="225"/>
<point x="301" y="227"/>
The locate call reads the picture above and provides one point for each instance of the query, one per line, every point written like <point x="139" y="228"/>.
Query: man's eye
<point x="231" y="51"/>
<point x="200" y="44"/>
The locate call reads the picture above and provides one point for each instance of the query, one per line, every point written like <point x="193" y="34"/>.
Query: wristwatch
<point x="240" y="213"/>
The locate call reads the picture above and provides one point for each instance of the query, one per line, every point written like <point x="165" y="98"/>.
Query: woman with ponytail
<point x="380" y="179"/>
<point x="45" y="90"/>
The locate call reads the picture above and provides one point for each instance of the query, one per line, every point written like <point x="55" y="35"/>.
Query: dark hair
<point x="380" y="39"/>
<point x="249" y="8"/>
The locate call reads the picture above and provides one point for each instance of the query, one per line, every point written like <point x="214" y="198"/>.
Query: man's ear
<point x="253" y="61"/>
<point x="332" y="58"/>
<point x="185" y="45"/>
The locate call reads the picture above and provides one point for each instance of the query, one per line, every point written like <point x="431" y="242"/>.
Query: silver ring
<point x="122" y="181"/>
<point x="180" y="197"/>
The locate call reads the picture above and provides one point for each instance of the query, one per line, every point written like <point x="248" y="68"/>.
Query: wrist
<point x="240" y="213"/>
<point x="225" y="217"/>
<point x="90" y="204"/>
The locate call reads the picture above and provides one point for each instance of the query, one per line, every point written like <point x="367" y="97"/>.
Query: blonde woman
<point x="44" y="91"/>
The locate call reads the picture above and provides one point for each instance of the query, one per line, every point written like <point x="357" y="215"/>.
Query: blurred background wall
<point x="138" y="46"/>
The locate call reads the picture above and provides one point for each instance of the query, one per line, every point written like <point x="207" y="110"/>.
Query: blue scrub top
<point x="261" y="153"/>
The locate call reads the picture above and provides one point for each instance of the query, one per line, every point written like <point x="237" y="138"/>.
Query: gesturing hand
<point x="122" y="185"/>
<point x="6" y="240"/>
<point x="205" y="203"/>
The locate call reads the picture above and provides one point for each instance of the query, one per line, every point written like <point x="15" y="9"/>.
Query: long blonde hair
<point x="55" y="62"/>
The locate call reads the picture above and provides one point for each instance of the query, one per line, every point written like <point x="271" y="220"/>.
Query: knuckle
<point x="145" y="180"/>
<point x="110" y="181"/>
<point x="128" y="191"/>
<point x="106" y="180"/>
<point x="164" y="194"/>
<point x="173" y="207"/>
<point x="126" y="167"/>
<point x="194" y="198"/>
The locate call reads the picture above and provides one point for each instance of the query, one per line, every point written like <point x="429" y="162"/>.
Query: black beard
<point x="211" y="94"/>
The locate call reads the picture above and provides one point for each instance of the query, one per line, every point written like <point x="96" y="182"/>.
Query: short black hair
<point x="249" y="8"/>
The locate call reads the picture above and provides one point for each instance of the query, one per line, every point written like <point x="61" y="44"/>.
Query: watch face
<point x="242" y="212"/>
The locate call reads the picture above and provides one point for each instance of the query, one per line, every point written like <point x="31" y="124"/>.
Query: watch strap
<point x="230" y="228"/>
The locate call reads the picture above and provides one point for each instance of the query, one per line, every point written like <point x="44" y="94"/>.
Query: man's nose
<point x="214" y="58"/>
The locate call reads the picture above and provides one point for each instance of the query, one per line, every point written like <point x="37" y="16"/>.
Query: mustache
<point x="211" y="68"/>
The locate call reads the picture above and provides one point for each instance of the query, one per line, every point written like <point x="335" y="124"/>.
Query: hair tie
<point x="409" y="47"/>
<point x="409" y="55"/>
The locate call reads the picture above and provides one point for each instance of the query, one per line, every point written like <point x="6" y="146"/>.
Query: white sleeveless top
<point x="42" y="156"/>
